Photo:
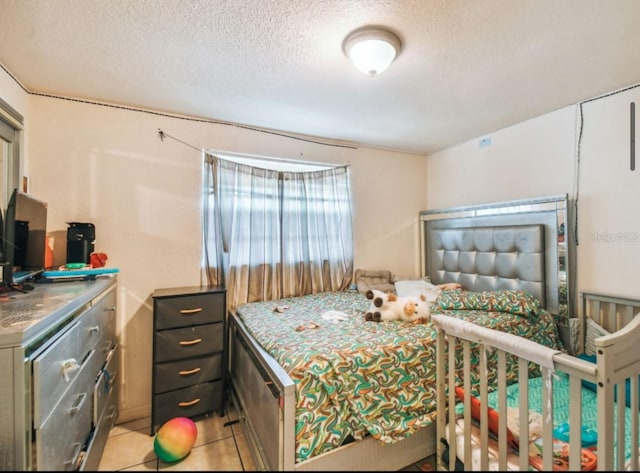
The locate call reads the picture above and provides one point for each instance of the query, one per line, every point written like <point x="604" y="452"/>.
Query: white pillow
<point x="416" y="288"/>
<point x="594" y="330"/>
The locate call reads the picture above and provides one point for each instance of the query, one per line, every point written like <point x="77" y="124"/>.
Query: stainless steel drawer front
<point x="56" y="368"/>
<point x="94" y="322"/>
<point x="105" y="384"/>
<point x="64" y="432"/>
<point x="53" y="372"/>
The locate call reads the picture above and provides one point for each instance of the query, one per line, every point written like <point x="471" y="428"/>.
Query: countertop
<point x="27" y="316"/>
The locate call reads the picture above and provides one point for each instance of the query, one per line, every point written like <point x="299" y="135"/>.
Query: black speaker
<point x="80" y="242"/>
<point x="21" y="242"/>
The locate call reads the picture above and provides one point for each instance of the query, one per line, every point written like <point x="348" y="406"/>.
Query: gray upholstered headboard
<point x="489" y="258"/>
<point x="521" y="244"/>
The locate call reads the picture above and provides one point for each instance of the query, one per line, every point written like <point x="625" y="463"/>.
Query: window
<point x="279" y="229"/>
<point x="277" y="205"/>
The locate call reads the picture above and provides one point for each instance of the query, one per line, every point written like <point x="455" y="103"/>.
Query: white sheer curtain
<point x="271" y="234"/>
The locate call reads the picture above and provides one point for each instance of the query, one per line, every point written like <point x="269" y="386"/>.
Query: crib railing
<point x="610" y="312"/>
<point x="617" y="361"/>
<point x="618" y="367"/>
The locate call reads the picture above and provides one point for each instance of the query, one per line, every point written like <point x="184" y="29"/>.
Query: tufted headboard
<point x="490" y="258"/>
<point x="505" y="245"/>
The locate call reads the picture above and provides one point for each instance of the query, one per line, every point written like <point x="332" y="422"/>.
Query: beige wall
<point x="531" y="159"/>
<point x="106" y="165"/>
<point x="538" y="157"/>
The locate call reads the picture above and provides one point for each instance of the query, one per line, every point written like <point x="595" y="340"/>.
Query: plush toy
<point x="391" y="307"/>
<point x="378" y="298"/>
<point x="450" y="286"/>
<point x="388" y="306"/>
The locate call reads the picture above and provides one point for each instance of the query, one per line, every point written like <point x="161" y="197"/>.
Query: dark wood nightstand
<point x="189" y="352"/>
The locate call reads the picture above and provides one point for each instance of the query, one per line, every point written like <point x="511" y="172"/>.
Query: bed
<point x="594" y="394"/>
<point x="319" y="393"/>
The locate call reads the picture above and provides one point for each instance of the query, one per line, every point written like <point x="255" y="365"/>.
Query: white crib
<point x="615" y="375"/>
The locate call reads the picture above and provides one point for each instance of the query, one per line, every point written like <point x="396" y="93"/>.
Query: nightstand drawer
<point x="189" y="342"/>
<point x="189" y="310"/>
<point x="180" y="374"/>
<point x="188" y="402"/>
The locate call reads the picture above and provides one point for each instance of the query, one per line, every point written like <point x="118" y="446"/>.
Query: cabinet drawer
<point x="183" y="373"/>
<point x="99" y="438"/>
<point x="181" y="311"/>
<point x="105" y="384"/>
<point x="62" y="435"/>
<point x="53" y="372"/>
<point x="108" y="340"/>
<point x="95" y="321"/>
<point x="188" y="402"/>
<point x="56" y="368"/>
<point x="188" y="342"/>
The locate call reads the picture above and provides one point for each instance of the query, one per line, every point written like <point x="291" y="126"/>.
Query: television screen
<point x="25" y="237"/>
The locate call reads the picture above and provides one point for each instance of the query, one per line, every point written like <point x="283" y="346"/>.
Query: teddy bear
<point x="388" y="306"/>
<point x="450" y="286"/>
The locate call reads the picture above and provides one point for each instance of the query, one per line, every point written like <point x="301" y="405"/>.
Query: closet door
<point x="608" y="213"/>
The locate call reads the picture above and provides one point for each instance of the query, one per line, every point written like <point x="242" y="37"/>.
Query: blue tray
<point x="77" y="273"/>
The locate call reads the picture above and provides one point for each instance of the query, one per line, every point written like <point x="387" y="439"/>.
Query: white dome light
<point x="371" y="49"/>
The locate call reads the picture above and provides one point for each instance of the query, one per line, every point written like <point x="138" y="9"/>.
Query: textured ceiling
<point x="467" y="68"/>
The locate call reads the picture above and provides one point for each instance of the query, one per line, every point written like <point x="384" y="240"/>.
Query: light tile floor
<point x="221" y="445"/>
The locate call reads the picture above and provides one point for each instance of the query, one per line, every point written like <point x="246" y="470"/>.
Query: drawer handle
<point x="79" y="403"/>
<point x="113" y="414"/>
<point x="110" y="354"/>
<point x="188" y="372"/>
<point x="74" y="458"/>
<point x="68" y="367"/>
<point x="190" y="311"/>
<point x="189" y="403"/>
<point x="110" y="309"/>
<point x="94" y="329"/>
<point x="190" y="342"/>
<point x="106" y="348"/>
<point x="110" y="382"/>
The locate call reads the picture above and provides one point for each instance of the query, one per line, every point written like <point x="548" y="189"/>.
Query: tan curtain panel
<point x="271" y="234"/>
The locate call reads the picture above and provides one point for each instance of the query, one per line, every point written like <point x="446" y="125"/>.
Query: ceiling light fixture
<point x="371" y="49"/>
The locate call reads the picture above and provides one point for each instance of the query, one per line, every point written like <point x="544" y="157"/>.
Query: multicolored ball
<point x="175" y="439"/>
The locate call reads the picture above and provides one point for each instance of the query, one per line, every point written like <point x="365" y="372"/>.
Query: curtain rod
<point x="271" y="158"/>
<point x="317" y="142"/>
<point x="162" y="135"/>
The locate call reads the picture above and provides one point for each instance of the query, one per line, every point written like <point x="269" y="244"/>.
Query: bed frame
<point x="265" y="395"/>
<point x="617" y="359"/>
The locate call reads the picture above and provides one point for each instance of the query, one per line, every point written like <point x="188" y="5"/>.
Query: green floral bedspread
<point x="355" y="377"/>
